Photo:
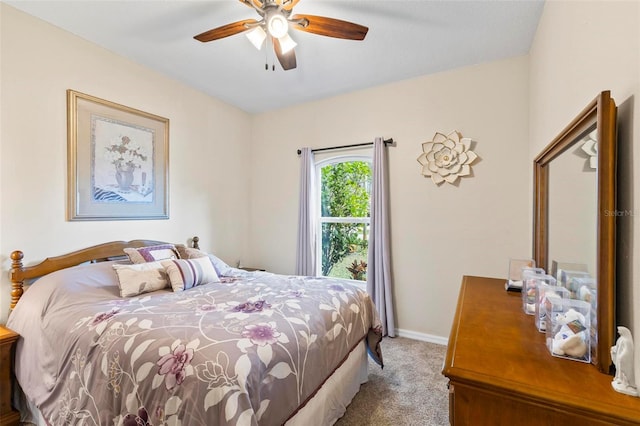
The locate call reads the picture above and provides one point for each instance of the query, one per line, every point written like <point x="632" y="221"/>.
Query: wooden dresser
<point x="501" y="373"/>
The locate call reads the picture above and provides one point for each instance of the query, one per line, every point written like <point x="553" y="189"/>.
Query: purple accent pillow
<point x="152" y="253"/>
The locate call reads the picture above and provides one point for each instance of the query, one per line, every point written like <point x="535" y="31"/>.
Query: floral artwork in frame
<point x="118" y="161"/>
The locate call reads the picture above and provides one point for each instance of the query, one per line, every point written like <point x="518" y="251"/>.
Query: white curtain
<point x="305" y="253"/>
<point x="379" y="283"/>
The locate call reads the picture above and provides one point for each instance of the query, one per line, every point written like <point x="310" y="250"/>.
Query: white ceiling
<point x="406" y="39"/>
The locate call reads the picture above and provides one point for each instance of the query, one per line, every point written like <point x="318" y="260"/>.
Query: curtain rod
<point x="386" y="142"/>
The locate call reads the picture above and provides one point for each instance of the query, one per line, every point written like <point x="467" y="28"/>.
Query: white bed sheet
<point x="331" y="401"/>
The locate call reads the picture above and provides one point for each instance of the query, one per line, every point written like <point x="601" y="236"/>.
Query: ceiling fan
<point x="275" y="21"/>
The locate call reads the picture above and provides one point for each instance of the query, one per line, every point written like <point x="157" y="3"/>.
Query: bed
<point x="103" y="343"/>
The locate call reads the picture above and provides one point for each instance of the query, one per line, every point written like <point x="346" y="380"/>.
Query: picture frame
<point x="118" y="161"/>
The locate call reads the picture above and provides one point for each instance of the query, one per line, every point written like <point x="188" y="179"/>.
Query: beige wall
<point x="580" y="49"/>
<point x="208" y="148"/>
<point x="438" y="233"/>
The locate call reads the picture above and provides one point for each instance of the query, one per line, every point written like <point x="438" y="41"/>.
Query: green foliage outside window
<point x="345" y="193"/>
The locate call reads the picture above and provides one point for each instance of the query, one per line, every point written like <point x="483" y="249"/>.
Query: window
<point x="343" y="217"/>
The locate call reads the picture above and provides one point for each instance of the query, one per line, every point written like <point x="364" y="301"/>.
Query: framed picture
<point x="118" y="159"/>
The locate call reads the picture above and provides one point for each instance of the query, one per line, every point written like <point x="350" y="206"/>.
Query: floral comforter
<point x="248" y="351"/>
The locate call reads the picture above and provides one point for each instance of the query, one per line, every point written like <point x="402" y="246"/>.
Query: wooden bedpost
<point x="195" y="242"/>
<point x="16" y="277"/>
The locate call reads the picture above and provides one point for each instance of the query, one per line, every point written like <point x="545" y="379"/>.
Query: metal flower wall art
<point x="447" y="157"/>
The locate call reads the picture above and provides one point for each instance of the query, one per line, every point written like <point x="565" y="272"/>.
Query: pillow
<point x="191" y="253"/>
<point x="220" y="265"/>
<point x="152" y="253"/>
<point x="141" y="278"/>
<point x="187" y="273"/>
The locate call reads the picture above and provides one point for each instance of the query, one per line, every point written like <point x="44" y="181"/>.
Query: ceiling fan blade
<point x="330" y="27"/>
<point x="287" y="60"/>
<point x="252" y="3"/>
<point x="225" y="31"/>
<point x="289" y="4"/>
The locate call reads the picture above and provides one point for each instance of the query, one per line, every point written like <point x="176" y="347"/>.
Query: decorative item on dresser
<point x="622" y="355"/>
<point x="500" y="371"/>
<point x="8" y="416"/>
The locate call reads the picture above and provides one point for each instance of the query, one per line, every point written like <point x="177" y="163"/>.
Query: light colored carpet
<point x="410" y="390"/>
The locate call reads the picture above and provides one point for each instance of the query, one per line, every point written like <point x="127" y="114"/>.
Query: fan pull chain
<point x="266" y="55"/>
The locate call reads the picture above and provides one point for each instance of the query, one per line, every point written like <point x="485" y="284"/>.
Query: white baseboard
<point x="439" y="340"/>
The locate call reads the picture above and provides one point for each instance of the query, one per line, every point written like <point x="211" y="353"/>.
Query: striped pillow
<point x="187" y="273"/>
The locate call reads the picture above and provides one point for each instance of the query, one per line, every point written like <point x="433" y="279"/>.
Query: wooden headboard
<point x="99" y="253"/>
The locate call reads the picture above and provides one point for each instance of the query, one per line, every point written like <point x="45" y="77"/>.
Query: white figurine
<point x="622" y="356"/>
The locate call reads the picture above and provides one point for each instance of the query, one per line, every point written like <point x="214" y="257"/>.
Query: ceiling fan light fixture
<point x="286" y="43"/>
<point x="257" y="36"/>
<point x="273" y="27"/>
<point x="277" y="25"/>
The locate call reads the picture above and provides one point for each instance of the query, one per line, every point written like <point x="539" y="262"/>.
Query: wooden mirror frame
<point x="601" y="112"/>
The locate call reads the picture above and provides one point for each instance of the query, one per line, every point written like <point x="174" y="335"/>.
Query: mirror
<point x="572" y="208"/>
<point x="575" y="211"/>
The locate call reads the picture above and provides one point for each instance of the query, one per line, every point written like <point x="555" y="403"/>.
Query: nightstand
<point x="8" y="416"/>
